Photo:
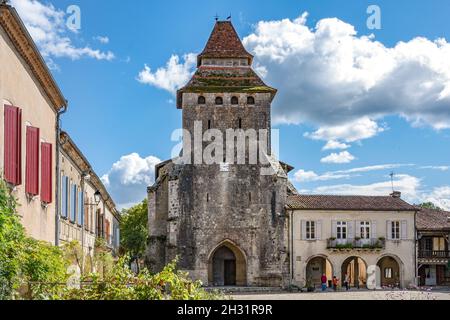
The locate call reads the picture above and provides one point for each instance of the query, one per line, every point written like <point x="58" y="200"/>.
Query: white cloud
<point x="48" y="29"/>
<point x="439" y="196"/>
<point x="333" y="145"/>
<point x="408" y="185"/>
<point x="103" y="40"/>
<point x="374" y="168"/>
<point x="129" y="178"/>
<point x="331" y="77"/>
<point x="338" y="158"/>
<point x="359" y="129"/>
<point x="310" y="176"/>
<point x="171" y="77"/>
<point x="440" y="168"/>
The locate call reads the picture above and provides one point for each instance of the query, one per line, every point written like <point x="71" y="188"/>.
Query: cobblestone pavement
<point x="352" y="295"/>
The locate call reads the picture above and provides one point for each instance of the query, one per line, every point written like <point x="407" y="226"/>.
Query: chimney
<point x="396" y="194"/>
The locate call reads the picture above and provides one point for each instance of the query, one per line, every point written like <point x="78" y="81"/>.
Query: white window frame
<point x="365" y="228"/>
<point x="396" y="229"/>
<point x="311" y="230"/>
<point x="341" y="230"/>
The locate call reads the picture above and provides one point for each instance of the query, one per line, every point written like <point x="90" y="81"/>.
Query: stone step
<point x="238" y="290"/>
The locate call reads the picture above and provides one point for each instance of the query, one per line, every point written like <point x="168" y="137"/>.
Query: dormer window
<point x="219" y="101"/>
<point x="234" y="100"/>
<point x="250" y="100"/>
<point x="201" y="100"/>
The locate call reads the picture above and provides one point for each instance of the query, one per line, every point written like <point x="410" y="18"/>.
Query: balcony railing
<point x="440" y="254"/>
<point x="365" y="244"/>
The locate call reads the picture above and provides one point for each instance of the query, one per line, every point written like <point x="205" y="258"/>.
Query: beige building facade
<point x="368" y="240"/>
<point x="30" y="103"/>
<point x="35" y="156"/>
<point x="87" y="211"/>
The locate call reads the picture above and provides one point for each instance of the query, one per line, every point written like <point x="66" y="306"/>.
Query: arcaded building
<point x="224" y="220"/>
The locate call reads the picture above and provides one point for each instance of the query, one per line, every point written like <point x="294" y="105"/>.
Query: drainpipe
<point x="291" y="244"/>
<point x="416" y="262"/>
<point x="58" y="176"/>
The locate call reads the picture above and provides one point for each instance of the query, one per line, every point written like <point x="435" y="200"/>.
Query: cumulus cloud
<point x="310" y="176"/>
<point x="408" y="185"/>
<point x="339" y="158"/>
<point x="174" y="75"/>
<point x="352" y="131"/>
<point x="332" y="77"/>
<point x="333" y="145"/>
<point x="129" y="178"/>
<point x="439" y="196"/>
<point x="47" y="26"/>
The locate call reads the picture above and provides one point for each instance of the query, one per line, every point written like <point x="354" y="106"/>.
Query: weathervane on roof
<point x="392" y="180"/>
<point x="229" y="17"/>
<point x="216" y="17"/>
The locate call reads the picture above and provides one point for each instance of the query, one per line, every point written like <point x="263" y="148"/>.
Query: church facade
<point x="224" y="220"/>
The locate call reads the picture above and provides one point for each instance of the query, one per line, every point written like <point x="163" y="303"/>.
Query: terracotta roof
<point x="224" y="42"/>
<point x="428" y="219"/>
<point x="363" y="203"/>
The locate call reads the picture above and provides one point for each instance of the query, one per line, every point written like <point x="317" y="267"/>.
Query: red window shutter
<point x="32" y="161"/>
<point x="12" y="144"/>
<point x="46" y="173"/>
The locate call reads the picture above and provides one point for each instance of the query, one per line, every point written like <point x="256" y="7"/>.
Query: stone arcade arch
<point x="356" y="268"/>
<point x="391" y="271"/>
<point x="317" y="266"/>
<point x="227" y="265"/>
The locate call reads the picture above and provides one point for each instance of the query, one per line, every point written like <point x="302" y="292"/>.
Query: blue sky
<point x="372" y="111"/>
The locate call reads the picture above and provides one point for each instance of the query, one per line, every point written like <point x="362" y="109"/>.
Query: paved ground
<point x="352" y="295"/>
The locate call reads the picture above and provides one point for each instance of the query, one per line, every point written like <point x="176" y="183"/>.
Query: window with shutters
<point x="395" y="230"/>
<point x="12" y="145"/>
<point x="32" y="161"/>
<point x="365" y="230"/>
<point x="46" y="173"/>
<point x="65" y="197"/>
<point x="73" y="204"/>
<point x="310" y="230"/>
<point x="80" y="207"/>
<point x="341" y="230"/>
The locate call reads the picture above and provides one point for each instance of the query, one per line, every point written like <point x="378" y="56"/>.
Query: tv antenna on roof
<point x="392" y="180"/>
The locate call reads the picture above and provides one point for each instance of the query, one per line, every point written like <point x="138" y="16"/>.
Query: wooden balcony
<point x="434" y="254"/>
<point x="353" y="244"/>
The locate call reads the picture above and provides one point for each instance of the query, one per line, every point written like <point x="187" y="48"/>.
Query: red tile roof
<point x="363" y="203"/>
<point x="224" y="42"/>
<point x="428" y="219"/>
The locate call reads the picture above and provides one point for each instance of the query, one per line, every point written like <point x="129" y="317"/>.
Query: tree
<point x="430" y="205"/>
<point x="134" y="230"/>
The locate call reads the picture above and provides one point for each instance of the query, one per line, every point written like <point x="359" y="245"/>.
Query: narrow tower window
<point x="250" y="100"/>
<point x="209" y="124"/>
<point x="219" y="101"/>
<point x="201" y="100"/>
<point x="234" y="100"/>
<point x="240" y="123"/>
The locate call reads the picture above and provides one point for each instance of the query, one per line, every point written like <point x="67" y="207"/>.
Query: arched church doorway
<point x="356" y="269"/>
<point x="390" y="272"/>
<point x="227" y="266"/>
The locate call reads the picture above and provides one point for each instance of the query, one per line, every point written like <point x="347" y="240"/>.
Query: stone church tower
<point x="225" y="221"/>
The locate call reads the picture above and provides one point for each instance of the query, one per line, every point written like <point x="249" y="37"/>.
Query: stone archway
<point x="227" y="266"/>
<point x="315" y="268"/>
<point x="390" y="269"/>
<point x="356" y="268"/>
